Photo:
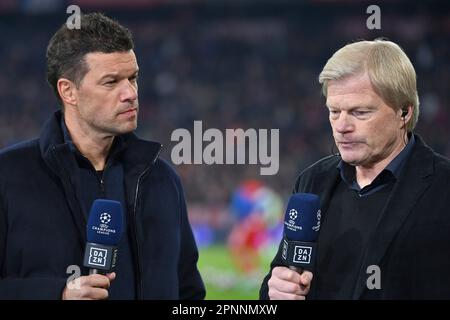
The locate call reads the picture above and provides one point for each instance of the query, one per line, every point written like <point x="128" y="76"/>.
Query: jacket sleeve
<point x="17" y="288"/>
<point x="31" y="289"/>
<point x="191" y="285"/>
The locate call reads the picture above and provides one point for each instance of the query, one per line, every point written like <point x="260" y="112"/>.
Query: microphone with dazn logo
<point x="104" y="231"/>
<point x="301" y="228"/>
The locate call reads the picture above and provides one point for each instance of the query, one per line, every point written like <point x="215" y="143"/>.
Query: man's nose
<point x="129" y="92"/>
<point x="344" y="124"/>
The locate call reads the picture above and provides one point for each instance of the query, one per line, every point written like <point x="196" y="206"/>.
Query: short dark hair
<point x="67" y="48"/>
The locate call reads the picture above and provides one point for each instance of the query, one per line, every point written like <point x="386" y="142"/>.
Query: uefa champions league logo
<point x="103" y="228"/>
<point x="105" y="218"/>
<point x="293" y="214"/>
<point x="292" y="222"/>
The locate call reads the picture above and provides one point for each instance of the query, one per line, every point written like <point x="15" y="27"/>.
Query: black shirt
<point x="349" y="223"/>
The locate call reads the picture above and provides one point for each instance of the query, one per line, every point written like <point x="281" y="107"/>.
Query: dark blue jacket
<point x="43" y="228"/>
<point x="411" y="241"/>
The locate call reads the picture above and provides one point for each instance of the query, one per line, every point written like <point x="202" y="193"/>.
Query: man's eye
<point x="360" y="113"/>
<point x="110" y="82"/>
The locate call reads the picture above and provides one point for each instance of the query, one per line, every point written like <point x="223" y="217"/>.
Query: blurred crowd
<point x="234" y="70"/>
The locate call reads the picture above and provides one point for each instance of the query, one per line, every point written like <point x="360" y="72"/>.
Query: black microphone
<point x="301" y="228"/>
<point x="104" y="231"/>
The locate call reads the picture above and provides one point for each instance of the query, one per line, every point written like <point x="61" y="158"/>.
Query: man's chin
<point x="124" y="130"/>
<point x="351" y="159"/>
<point x="129" y="130"/>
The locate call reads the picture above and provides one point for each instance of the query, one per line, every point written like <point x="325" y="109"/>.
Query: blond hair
<point x="389" y="69"/>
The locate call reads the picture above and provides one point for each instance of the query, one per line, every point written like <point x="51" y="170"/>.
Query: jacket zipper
<point x="102" y="187"/>
<point x="102" y="182"/>
<point x="102" y="179"/>
<point x="140" y="288"/>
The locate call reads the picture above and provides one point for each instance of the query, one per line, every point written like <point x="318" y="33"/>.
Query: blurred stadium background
<point x="232" y="64"/>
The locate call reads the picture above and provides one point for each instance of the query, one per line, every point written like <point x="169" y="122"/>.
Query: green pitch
<point x="224" y="280"/>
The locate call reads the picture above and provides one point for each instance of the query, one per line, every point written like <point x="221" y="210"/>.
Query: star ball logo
<point x="105" y="218"/>
<point x="293" y="214"/>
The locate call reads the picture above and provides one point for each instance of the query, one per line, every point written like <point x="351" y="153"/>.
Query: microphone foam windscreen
<point x="105" y="223"/>
<point x="302" y="219"/>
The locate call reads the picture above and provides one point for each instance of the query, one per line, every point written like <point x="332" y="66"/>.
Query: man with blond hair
<point x="385" y="197"/>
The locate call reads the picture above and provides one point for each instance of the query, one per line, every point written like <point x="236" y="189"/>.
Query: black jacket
<point x="43" y="229"/>
<point x="411" y="242"/>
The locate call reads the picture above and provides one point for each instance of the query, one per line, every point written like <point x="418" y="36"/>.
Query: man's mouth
<point x="130" y="111"/>
<point x="348" y="143"/>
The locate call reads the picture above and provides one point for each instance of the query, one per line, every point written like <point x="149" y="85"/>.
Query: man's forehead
<point x="111" y="62"/>
<point x="350" y="100"/>
<point x="352" y="83"/>
<point x="350" y="91"/>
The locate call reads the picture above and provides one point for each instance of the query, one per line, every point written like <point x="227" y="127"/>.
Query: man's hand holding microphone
<point x="301" y="228"/>
<point x="104" y="231"/>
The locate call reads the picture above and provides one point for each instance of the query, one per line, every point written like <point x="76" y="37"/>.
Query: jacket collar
<point x="139" y="152"/>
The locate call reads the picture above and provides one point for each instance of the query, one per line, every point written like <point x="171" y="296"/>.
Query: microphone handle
<point x="300" y="271"/>
<point x="93" y="271"/>
<point x="296" y="269"/>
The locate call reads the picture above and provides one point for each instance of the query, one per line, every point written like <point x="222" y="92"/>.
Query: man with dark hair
<point x="67" y="48"/>
<point x="85" y="152"/>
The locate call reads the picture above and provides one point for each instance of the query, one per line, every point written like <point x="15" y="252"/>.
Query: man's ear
<point x="409" y="113"/>
<point x="67" y="91"/>
<point x="406" y="113"/>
